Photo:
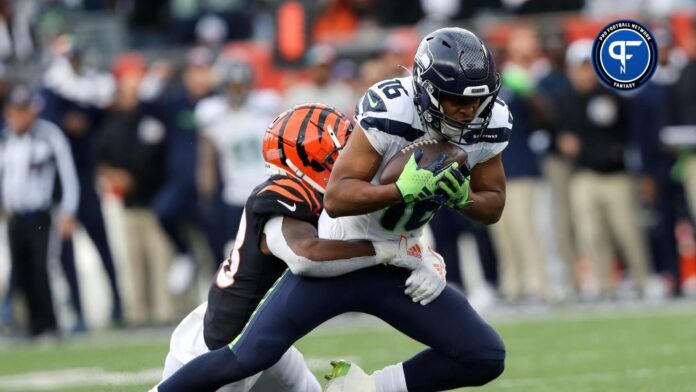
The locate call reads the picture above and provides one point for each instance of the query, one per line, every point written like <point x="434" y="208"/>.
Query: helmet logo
<point x="423" y="59"/>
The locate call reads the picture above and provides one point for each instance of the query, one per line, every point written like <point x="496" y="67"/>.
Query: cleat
<point x="348" y="377"/>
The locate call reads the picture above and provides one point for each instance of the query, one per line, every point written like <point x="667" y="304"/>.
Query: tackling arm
<point x="297" y="243"/>
<point x="487" y="192"/>
<point x="349" y="191"/>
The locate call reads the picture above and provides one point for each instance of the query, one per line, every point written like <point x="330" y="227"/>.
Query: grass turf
<point x="625" y="351"/>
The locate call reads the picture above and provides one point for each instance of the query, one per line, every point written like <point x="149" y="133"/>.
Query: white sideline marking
<point x="96" y="376"/>
<point x="78" y="377"/>
<point x="516" y="383"/>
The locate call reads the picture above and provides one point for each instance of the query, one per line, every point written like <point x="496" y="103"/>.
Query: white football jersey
<point x="237" y="135"/>
<point x="389" y="117"/>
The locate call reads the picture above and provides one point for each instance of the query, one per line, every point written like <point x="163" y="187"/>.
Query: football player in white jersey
<point x="231" y="128"/>
<point x="452" y="95"/>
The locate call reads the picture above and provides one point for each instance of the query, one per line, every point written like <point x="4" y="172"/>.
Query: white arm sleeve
<point x="300" y="265"/>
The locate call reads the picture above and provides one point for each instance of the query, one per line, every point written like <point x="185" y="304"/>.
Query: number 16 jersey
<point x="387" y="114"/>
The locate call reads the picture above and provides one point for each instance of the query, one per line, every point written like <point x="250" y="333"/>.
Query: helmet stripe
<point x="301" y="152"/>
<point x="281" y="131"/>
<point x="322" y="119"/>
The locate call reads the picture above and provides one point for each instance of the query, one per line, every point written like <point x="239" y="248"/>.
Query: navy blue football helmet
<point x="454" y="62"/>
<point x="235" y="79"/>
<point x="230" y="71"/>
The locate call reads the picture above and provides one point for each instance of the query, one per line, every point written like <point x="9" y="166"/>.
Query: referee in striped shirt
<point x="31" y="152"/>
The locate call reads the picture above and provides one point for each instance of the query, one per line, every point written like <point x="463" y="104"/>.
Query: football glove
<point x="453" y="190"/>
<point x="405" y="253"/>
<point x="428" y="280"/>
<point x="419" y="183"/>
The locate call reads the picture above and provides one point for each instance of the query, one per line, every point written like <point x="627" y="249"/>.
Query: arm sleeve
<point x="66" y="172"/>
<point x="208" y="111"/>
<point x="93" y="88"/>
<point x="303" y="266"/>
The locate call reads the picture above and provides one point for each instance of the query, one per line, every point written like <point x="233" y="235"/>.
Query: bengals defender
<point x="300" y="147"/>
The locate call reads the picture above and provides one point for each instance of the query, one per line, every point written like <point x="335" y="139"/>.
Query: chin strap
<point x="298" y="173"/>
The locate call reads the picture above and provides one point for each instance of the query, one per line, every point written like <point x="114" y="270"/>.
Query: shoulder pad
<point x="208" y="111"/>
<point x="499" y="128"/>
<point x="502" y="117"/>
<point x="264" y="101"/>
<point x="48" y="129"/>
<point x="388" y="106"/>
<point x="288" y="196"/>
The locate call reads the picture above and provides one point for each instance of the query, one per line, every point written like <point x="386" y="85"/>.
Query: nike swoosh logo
<point x="373" y="104"/>
<point x="292" y="207"/>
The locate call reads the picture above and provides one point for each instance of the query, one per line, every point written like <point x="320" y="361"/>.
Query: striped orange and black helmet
<point x="305" y="141"/>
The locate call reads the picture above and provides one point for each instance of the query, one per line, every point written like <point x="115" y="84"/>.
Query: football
<point x="431" y="150"/>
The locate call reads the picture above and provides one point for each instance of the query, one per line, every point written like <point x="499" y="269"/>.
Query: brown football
<point x="431" y="150"/>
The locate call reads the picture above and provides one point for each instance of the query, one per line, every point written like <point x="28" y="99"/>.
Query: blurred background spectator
<point x="230" y="165"/>
<point x="521" y="264"/>
<point x="595" y="136"/>
<point x="32" y="153"/>
<point x="547" y="117"/>
<point x="684" y="114"/>
<point x="75" y="97"/>
<point x="173" y="104"/>
<point x="320" y="87"/>
<point x="652" y="108"/>
<point x="130" y="158"/>
<point x="598" y="182"/>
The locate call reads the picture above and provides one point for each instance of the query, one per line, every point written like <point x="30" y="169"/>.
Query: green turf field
<point x="613" y="351"/>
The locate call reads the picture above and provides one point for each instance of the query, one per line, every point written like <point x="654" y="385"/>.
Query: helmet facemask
<point x="429" y="103"/>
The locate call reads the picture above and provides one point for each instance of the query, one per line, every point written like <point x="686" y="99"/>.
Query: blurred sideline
<point x="96" y="295"/>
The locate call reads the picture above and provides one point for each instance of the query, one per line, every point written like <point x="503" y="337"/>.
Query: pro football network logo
<point x="624" y="54"/>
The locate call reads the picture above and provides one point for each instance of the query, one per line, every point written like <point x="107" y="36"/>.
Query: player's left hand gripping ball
<point x="419" y="183"/>
<point x="454" y="189"/>
<point x="427" y="281"/>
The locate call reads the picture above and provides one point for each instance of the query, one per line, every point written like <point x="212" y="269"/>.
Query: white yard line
<point x="78" y="377"/>
<point x="96" y="376"/>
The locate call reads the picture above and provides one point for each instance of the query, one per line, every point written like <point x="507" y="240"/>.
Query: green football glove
<point x="419" y="183"/>
<point x="456" y="188"/>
